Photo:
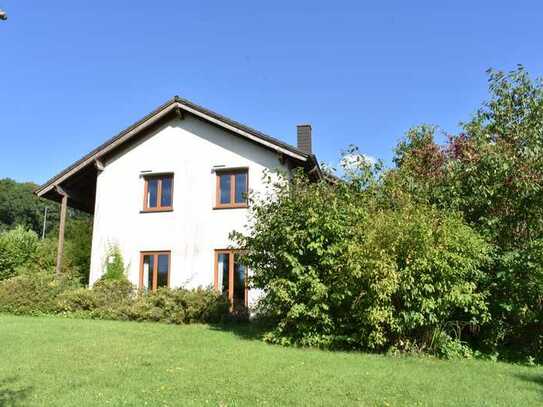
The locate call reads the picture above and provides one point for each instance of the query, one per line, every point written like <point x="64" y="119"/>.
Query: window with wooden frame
<point x="231" y="278"/>
<point x="232" y="188"/>
<point x="158" y="193"/>
<point x="154" y="270"/>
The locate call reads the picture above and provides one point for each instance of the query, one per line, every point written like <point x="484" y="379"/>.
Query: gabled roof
<point x="85" y="166"/>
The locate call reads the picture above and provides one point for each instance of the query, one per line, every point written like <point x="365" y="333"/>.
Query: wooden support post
<point x="60" y="252"/>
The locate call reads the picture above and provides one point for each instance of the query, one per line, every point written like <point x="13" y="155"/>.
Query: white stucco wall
<point x="190" y="149"/>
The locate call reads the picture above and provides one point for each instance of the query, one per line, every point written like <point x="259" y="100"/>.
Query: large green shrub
<point x="34" y="293"/>
<point x="339" y="270"/>
<point x="415" y="273"/>
<point x="17" y="248"/>
<point x="106" y="299"/>
<point x="298" y="234"/>
<point x="179" y="306"/>
<point x="516" y="288"/>
<point x="117" y="299"/>
<point x="21" y="251"/>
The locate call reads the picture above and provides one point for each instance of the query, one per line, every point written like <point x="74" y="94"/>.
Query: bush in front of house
<point x="179" y="306"/>
<point x="106" y="299"/>
<point x="36" y="293"/>
<point x="343" y="267"/>
<point x="117" y="299"/>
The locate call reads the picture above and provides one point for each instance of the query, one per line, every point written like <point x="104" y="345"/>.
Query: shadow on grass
<point x="251" y="331"/>
<point x="11" y="394"/>
<point x="532" y="378"/>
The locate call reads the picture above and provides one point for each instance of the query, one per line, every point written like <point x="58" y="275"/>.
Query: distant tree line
<point x="19" y="206"/>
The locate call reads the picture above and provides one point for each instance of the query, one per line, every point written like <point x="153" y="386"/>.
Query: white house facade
<point x="169" y="190"/>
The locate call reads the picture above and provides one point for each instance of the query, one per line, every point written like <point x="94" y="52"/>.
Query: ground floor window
<point x="154" y="270"/>
<point x="231" y="278"/>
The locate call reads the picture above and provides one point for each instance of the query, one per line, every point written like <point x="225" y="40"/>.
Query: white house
<point x="168" y="190"/>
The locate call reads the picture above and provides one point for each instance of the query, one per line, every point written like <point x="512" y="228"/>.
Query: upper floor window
<point x="232" y="188"/>
<point x="158" y="193"/>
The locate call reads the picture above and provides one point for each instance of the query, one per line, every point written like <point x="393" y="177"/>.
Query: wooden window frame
<point x="232" y="172"/>
<point x="155" y="254"/>
<point x="231" y="262"/>
<point x="159" y="207"/>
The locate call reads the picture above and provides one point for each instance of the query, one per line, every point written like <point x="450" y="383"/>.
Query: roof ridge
<point x="241" y="125"/>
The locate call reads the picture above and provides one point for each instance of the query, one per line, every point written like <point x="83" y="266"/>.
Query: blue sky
<point x="74" y="73"/>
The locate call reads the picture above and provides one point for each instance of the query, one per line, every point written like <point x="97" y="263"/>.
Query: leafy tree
<point x="493" y="174"/>
<point x="19" y="206"/>
<point x="493" y="171"/>
<point x="78" y="246"/>
<point x="339" y="270"/>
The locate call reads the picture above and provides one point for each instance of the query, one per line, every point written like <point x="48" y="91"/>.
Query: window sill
<point x="156" y="210"/>
<point x="243" y="206"/>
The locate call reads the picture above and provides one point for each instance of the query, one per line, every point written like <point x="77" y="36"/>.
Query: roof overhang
<point x="79" y="179"/>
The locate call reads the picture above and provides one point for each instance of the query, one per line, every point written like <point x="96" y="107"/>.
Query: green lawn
<point x="70" y="362"/>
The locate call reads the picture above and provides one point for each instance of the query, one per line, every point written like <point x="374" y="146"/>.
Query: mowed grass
<point x="71" y="362"/>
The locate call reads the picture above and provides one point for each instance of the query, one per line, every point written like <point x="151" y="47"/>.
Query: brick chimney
<point x="304" y="137"/>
